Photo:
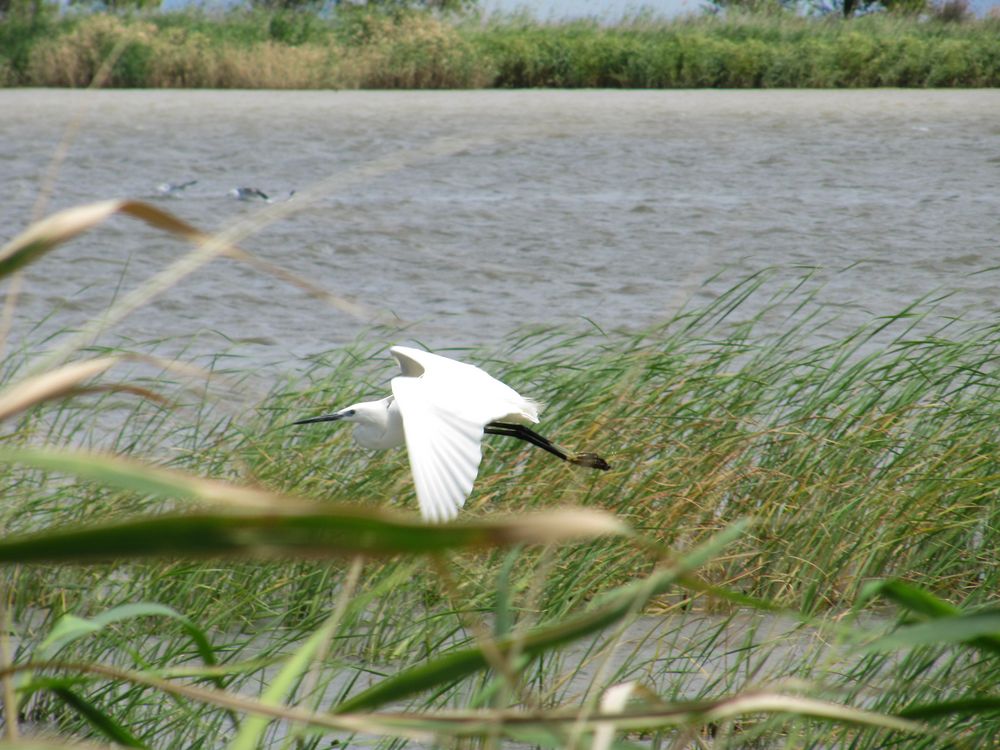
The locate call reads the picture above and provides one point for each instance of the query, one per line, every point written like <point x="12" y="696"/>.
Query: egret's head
<point x="363" y="413"/>
<point x="350" y="414"/>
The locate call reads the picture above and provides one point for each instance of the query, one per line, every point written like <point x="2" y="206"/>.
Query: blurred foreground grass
<point x="357" y="48"/>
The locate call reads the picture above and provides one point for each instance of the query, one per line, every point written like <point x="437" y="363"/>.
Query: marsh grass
<point x="873" y="456"/>
<point x="405" y="49"/>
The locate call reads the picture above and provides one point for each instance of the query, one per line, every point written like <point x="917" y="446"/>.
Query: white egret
<point x="440" y="408"/>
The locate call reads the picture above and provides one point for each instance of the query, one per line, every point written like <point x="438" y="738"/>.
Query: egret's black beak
<point x="324" y="418"/>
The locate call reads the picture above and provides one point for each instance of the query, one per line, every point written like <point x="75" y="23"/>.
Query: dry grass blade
<point x="49" y="385"/>
<point x="60" y="227"/>
<point x="560" y="525"/>
<point x="65" y="381"/>
<point x="134" y="390"/>
<point x="225" y="699"/>
<point x="49" y="233"/>
<point x="778" y="703"/>
<point x="664" y="715"/>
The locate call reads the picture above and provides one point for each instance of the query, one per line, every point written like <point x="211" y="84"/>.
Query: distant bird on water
<point x="441" y="408"/>
<point x="254" y="194"/>
<point x="172" y="188"/>
<point x="249" y="194"/>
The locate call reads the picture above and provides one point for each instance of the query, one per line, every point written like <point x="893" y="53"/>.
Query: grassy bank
<point x="419" y="50"/>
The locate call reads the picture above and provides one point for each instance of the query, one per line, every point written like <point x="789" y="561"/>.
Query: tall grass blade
<point x="912" y="597"/>
<point x="953" y="620"/>
<point x="315" y="533"/>
<point x="956" y="629"/>
<point x="128" y="474"/>
<point x="978" y="704"/>
<point x="98" y="719"/>
<point x="70" y="628"/>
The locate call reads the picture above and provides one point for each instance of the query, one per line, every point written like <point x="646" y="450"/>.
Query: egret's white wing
<point x="443" y="445"/>
<point x="465" y="389"/>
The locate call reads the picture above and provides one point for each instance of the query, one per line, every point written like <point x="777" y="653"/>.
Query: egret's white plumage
<point x="445" y="405"/>
<point x="440" y="408"/>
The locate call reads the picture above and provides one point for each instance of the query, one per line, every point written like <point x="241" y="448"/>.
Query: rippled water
<point x="537" y="206"/>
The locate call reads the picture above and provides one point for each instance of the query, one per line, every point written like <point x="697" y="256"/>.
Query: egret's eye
<point x="349" y="413"/>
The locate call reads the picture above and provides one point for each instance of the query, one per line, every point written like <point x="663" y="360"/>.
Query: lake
<point x="481" y="211"/>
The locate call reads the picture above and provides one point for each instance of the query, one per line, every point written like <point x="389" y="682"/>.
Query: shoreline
<point x="422" y="50"/>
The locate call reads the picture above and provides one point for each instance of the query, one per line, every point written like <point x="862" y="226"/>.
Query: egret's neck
<point x="381" y="426"/>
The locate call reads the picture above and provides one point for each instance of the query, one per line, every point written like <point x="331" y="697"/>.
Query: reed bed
<point x="796" y="544"/>
<point x="871" y="458"/>
<point x="364" y="49"/>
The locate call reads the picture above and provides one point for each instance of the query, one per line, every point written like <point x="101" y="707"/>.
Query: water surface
<point x="539" y="207"/>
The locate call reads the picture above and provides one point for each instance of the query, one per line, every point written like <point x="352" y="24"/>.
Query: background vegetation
<point x="417" y="48"/>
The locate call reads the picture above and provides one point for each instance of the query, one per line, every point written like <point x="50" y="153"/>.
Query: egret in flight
<point x="440" y="408"/>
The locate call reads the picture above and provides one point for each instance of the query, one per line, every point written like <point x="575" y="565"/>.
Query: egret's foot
<point x="590" y="460"/>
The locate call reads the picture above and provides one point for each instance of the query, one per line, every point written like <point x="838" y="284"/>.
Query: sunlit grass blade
<point x="613" y="701"/>
<point x="914" y="598"/>
<point x="966" y="628"/>
<point x="950" y="624"/>
<point x="49" y="233"/>
<point x="252" y="729"/>
<point x="69" y="628"/>
<point x="460" y="663"/>
<point x="314" y="533"/>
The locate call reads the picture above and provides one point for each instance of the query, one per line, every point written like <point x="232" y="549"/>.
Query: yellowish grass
<point x="423" y="52"/>
<point x="73" y="59"/>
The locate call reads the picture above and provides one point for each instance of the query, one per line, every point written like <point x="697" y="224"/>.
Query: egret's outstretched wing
<point x="443" y="446"/>
<point x="471" y="392"/>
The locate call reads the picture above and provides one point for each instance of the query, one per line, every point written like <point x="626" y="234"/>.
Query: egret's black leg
<point x="519" y="431"/>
